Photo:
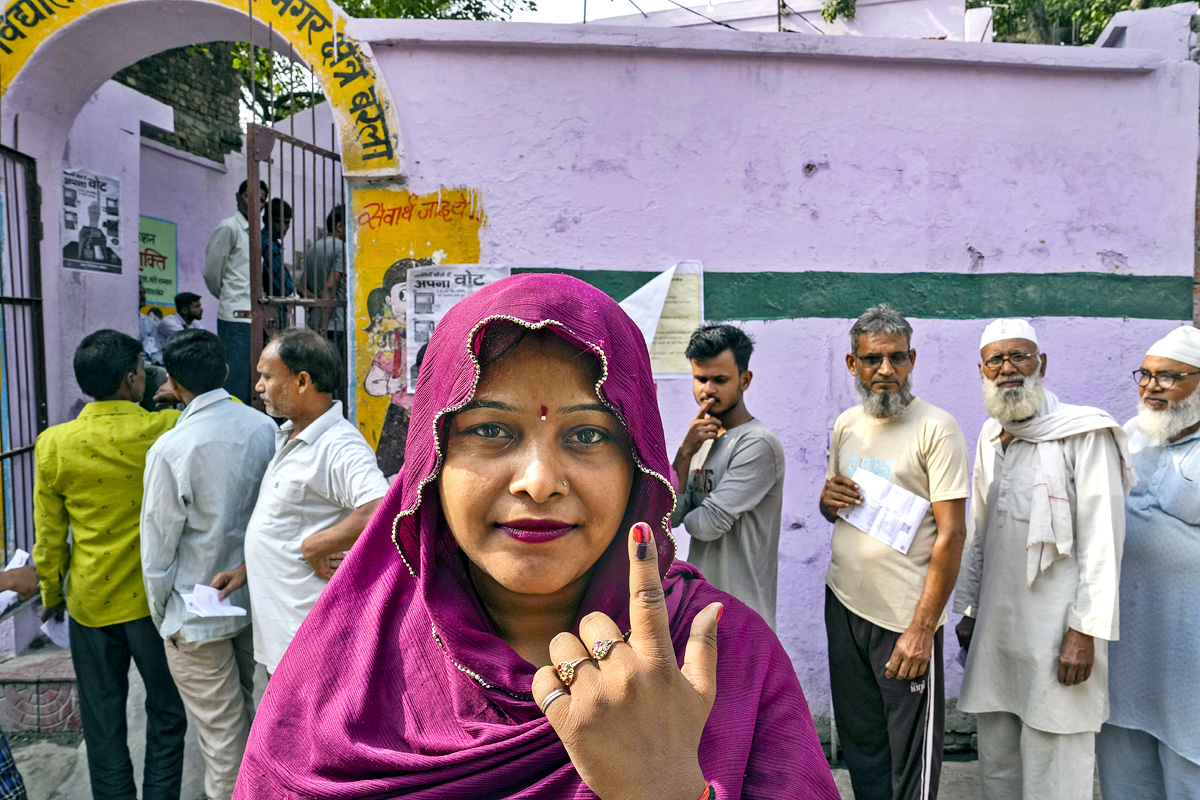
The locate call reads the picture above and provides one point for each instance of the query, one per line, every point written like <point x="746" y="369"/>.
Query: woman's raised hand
<point x="633" y="719"/>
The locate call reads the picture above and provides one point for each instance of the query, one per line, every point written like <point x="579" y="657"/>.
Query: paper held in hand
<point x="204" y="602"/>
<point x="8" y="597"/>
<point x="888" y="512"/>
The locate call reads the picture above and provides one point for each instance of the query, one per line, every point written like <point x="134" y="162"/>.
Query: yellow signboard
<point x="315" y="30"/>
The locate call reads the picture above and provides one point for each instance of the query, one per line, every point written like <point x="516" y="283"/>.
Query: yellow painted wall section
<point x="392" y="231"/>
<point x="366" y="119"/>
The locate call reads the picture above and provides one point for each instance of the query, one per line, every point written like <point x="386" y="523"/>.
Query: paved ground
<point x="58" y="771"/>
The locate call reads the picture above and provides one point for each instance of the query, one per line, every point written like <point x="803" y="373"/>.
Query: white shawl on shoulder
<point x="1051" y="532"/>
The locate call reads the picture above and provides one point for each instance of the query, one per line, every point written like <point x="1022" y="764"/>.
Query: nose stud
<point x="544" y="413"/>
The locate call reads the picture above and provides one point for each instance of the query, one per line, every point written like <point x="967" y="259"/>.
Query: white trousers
<point x="216" y="682"/>
<point x="1136" y="766"/>
<point x="1017" y="762"/>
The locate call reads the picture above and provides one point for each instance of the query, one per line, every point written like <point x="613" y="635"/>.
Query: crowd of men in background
<point x="319" y="274"/>
<point x="1076" y="523"/>
<point x="163" y="504"/>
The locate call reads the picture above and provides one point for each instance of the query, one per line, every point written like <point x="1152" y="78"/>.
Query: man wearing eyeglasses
<point x="1038" y="586"/>
<point x="1150" y="747"/>
<point x="884" y="607"/>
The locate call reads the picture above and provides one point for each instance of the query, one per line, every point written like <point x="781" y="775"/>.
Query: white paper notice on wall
<point x="645" y="306"/>
<point x="667" y="310"/>
<point x="888" y="512"/>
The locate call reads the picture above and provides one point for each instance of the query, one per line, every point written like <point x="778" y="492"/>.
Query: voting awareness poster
<point x="158" y="261"/>
<point x="431" y="293"/>
<point x="91" y="222"/>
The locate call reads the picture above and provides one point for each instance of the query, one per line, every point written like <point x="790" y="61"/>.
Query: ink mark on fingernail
<point x="641" y="551"/>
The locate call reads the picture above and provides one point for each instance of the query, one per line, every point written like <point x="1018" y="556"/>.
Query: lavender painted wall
<point x="105" y="138"/>
<point x="617" y="149"/>
<point x="195" y="194"/>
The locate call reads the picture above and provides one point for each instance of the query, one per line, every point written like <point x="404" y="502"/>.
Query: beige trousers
<point x="215" y="678"/>
<point x="1017" y="762"/>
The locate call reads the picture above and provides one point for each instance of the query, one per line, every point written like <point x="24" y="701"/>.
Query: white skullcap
<point x="1181" y="344"/>
<point x="1003" y="329"/>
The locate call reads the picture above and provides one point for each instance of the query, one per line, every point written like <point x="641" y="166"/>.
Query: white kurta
<point x="1012" y="664"/>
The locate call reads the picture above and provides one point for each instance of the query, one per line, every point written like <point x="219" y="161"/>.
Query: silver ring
<point x="550" y="698"/>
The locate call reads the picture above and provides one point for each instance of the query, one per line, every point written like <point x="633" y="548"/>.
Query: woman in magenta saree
<point x="533" y="501"/>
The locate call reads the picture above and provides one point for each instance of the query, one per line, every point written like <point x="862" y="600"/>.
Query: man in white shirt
<point x="188" y="311"/>
<point x="1038" y="586"/>
<point x="318" y="493"/>
<point x="201" y="481"/>
<point x="227" y="276"/>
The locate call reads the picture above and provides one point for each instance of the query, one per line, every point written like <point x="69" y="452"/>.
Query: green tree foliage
<point x="437" y="9"/>
<point x="274" y="88"/>
<point x="832" y="9"/>
<point x="1074" y="22"/>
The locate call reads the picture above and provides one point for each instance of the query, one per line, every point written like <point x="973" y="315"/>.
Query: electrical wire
<point x="698" y="14"/>
<point x="639" y="8"/>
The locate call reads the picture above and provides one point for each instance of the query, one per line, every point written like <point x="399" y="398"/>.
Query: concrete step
<point x="37" y="691"/>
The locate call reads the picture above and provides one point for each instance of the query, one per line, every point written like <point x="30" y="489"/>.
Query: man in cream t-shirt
<point x="884" y="609"/>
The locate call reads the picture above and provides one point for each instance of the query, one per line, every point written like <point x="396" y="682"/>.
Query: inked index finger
<point x="648" y="621"/>
<point x="704" y="407"/>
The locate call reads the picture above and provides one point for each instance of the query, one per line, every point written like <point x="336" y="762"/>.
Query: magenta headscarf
<point x="397" y="684"/>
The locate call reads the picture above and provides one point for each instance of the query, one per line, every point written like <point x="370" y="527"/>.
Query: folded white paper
<point x="888" y="512"/>
<point x="8" y="597"/>
<point x="204" y="602"/>
<point x="58" y="632"/>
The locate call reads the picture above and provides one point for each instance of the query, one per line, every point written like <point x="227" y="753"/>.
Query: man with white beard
<point x="885" y="606"/>
<point x="1150" y="747"/>
<point x="1038" y="586"/>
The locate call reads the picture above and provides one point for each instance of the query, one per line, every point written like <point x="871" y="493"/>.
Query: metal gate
<point x="293" y="230"/>
<point x="22" y="346"/>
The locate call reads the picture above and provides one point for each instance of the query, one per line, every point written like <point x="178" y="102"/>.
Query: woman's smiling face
<point x="538" y="472"/>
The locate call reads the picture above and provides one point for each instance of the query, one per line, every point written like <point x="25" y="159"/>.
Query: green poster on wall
<point x="158" y="261"/>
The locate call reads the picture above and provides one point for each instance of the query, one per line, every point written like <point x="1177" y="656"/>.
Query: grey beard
<point x="1161" y="426"/>
<point x="1019" y="402"/>
<point x="883" y="406"/>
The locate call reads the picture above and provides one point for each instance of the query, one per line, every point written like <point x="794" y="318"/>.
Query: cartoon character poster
<point x="393" y="232"/>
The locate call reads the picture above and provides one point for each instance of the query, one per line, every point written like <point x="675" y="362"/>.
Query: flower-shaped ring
<point x="566" y="670"/>
<point x="602" y="647"/>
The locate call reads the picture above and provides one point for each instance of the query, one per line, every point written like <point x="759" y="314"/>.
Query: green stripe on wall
<point x="844" y="295"/>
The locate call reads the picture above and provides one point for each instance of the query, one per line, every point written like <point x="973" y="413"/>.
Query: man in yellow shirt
<point x="89" y="477"/>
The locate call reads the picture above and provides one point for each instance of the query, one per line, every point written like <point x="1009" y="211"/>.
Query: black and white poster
<point x="91" y="222"/>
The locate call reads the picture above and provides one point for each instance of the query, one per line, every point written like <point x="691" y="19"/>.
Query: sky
<point x="572" y="10"/>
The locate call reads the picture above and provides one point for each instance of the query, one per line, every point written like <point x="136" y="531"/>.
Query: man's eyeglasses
<point x="1016" y="359"/>
<point x="1164" y="379"/>
<point x="898" y="359"/>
